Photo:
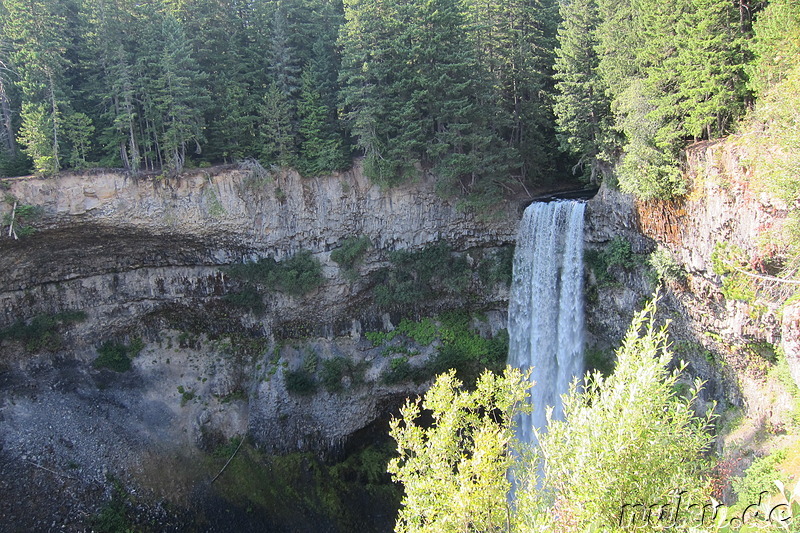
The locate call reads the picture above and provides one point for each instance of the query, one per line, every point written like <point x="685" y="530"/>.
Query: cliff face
<point x="117" y="247"/>
<point x="143" y="261"/>
<point x="728" y="326"/>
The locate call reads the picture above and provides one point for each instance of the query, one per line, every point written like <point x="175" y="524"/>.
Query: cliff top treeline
<point x="491" y="95"/>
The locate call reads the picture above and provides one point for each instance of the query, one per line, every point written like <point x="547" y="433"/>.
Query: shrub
<point x="42" y="332"/>
<point x="333" y="371"/>
<point x="113" y="517"/>
<point x="350" y="251"/>
<point x="114" y="356"/>
<point x="665" y="267"/>
<point x="300" y="382"/>
<point x="454" y="470"/>
<point x="759" y="477"/>
<point x="461" y="349"/>
<point x="729" y="261"/>
<point x="296" y="275"/>
<point x="399" y="371"/>
<point x="618" y="252"/>
<point x="303" y="381"/>
<point x="416" y="277"/>
<point x="248" y="298"/>
<point x="24" y="216"/>
<point x="498" y="267"/>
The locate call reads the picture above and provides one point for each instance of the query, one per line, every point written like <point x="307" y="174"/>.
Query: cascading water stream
<point x="545" y="312"/>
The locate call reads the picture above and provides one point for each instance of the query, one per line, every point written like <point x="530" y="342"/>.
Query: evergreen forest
<point x="490" y="96"/>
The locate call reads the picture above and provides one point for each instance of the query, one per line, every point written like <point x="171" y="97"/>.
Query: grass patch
<point x="114" y="517"/>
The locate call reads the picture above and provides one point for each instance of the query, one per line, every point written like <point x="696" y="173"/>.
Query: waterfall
<point x="545" y="311"/>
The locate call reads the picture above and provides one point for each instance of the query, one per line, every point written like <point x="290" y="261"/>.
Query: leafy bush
<point x="665" y="267"/>
<point x="498" y="267"/>
<point x="454" y="470"/>
<point x="114" y="515"/>
<point x="24" y="216"/>
<point x="729" y="261"/>
<point x="248" y="298"/>
<point x="42" y="332"/>
<point x="759" y="477"/>
<point x="350" y="251"/>
<point x="626" y="438"/>
<point x="336" y="369"/>
<point x="617" y="253"/>
<point x="399" y="371"/>
<point x="303" y="380"/>
<point x="227" y="449"/>
<point x="300" y="382"/>
<point x="333" y="371"/>
<point x="461" y="349"/>
<point x="296" y="275"/>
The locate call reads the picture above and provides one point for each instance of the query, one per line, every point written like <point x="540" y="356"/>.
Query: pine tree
<point x="38" y="34"/>
<point x="181" y="97"/>
<point x="582" y="107"/>
<point x="321" y="148"/>
<point x="710" y="60"/>
<point x="275" y="128"/>
<point x="775" y="45"/>
<point x="374" y="86"/>
<point x="79" y="131"/>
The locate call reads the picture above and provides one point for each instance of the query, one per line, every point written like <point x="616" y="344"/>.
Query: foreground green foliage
<point x="627" y="438"/>
<point x="759" y="477"/>
<point x="454" y="472"/>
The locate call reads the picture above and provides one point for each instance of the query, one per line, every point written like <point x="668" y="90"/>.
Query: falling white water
<point x="545" y="311"/>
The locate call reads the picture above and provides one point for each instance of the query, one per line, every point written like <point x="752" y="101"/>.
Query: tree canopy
<point x="491" y="97"/>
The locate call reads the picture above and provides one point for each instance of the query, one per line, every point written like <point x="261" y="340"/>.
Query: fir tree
<point x="582" y="106"/>
<point x="321" y="148"/>
<point x="181" y="97"/>
<point x="275" y="129"/>
<point x="37" y="31"/>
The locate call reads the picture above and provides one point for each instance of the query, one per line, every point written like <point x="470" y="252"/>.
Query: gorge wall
<point x="145" y="261"/>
